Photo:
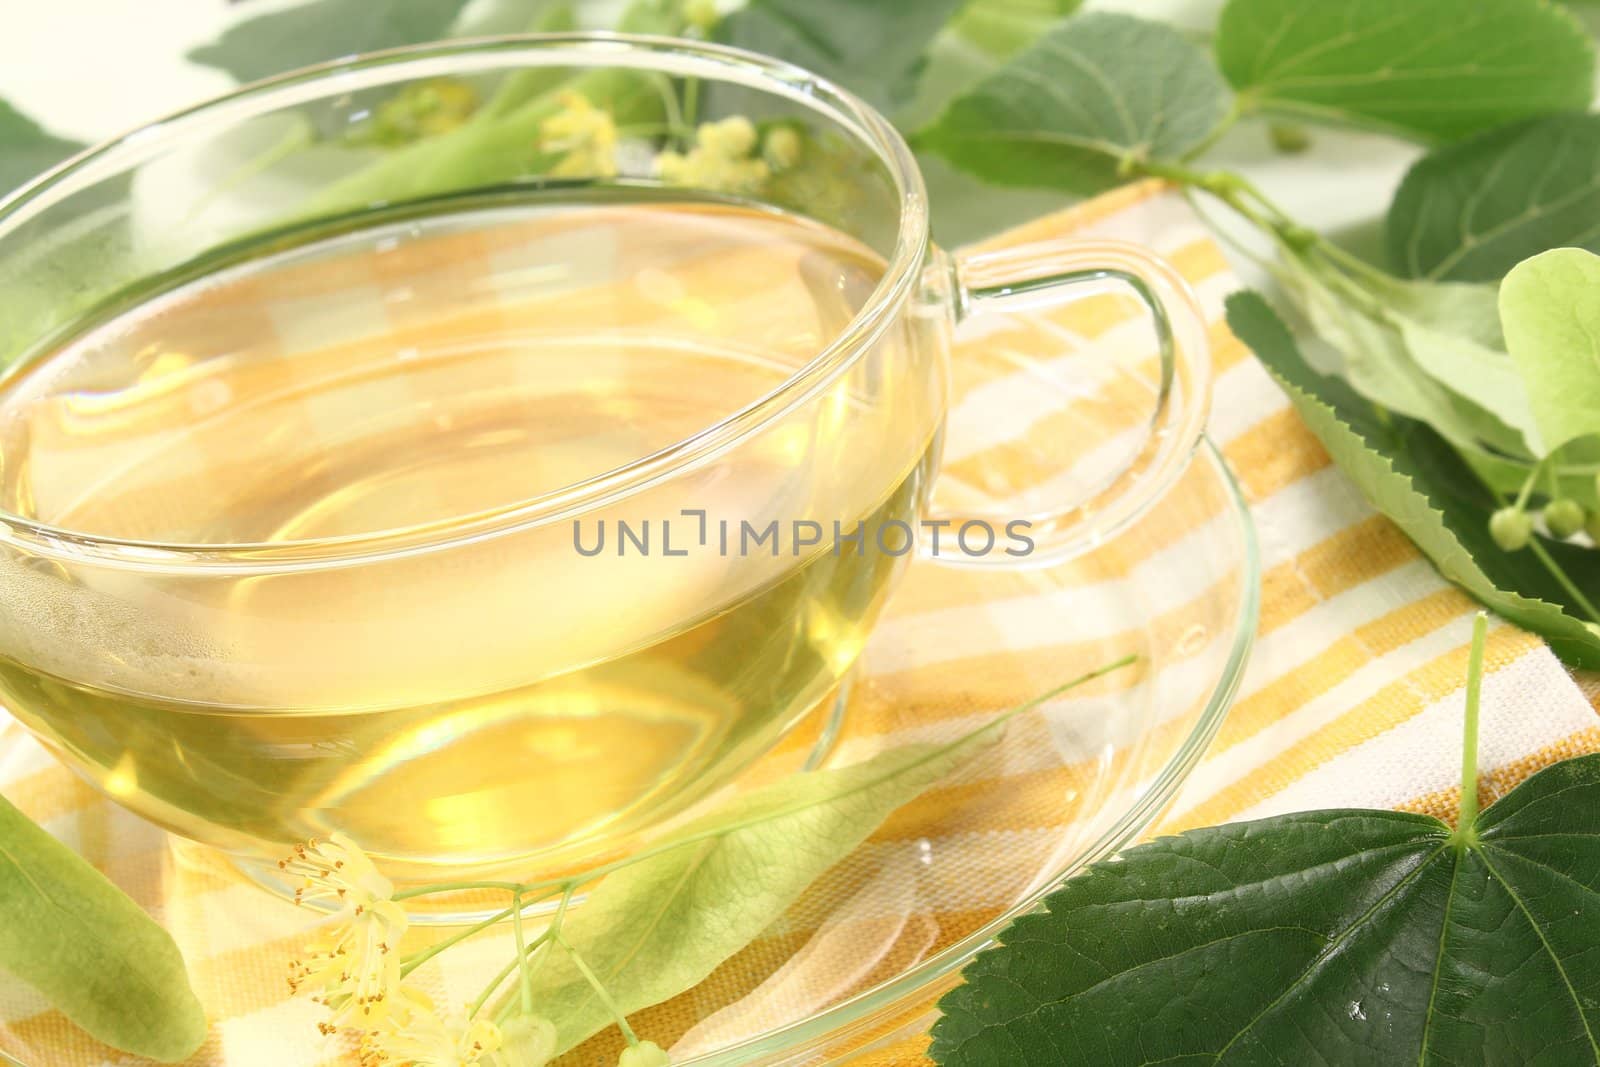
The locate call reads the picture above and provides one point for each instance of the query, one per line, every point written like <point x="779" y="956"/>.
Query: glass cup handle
<point x="1043" y="273"/>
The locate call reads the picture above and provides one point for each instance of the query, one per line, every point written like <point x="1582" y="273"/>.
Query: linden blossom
<point x="891" y="537"/>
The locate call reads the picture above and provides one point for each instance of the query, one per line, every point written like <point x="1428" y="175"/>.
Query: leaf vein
<point x="1566" y="981"/>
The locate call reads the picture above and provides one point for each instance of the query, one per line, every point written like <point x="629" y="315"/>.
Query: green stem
<point x="1217" y="134"/>
<point x="599" y="990"/>
<point x="505" y="972"/>
<point x="522" y="955"/>
<point x="670" y="105"/>
<point x="1350" y="262"/>
<point x="691" y="100"/>
<point x="1552" y="480"/>
<point x="297" y="140"/>
<point x="1565" y="582"/>
<point x="411" y="963"/>
<point x="455" y="887"/>
<point x="551" y="931"/>
<point x="555" y="927"/>
<point x="1528" y="485"/>
<point x="1234" y="190"/>
<point x="1466" y="832"/>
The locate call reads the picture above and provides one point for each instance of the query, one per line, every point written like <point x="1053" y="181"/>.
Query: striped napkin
<point x="1352" y="697"/>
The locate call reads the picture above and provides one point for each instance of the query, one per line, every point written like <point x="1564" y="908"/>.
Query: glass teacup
<point x="494" y="495"/>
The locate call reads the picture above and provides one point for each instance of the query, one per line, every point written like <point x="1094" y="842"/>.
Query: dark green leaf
<point x="26" y="150"/>
<point x="1095" y="92"/>
<point x="325" y="29"/>
<point x="1472" y="211"/>
<point x="875" y="50"/>
<point x="1332" y="937"/>
<point x="1433" y="68"/>
<point x="77" y="939"/>
<point x="1420" y="483"/>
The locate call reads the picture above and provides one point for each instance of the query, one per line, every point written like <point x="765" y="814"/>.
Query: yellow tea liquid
<point x="506" y="699"/>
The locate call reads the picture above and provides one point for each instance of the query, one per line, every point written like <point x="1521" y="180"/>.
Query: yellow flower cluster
<point x="417" y="1035"/>
<point x="420" y="111"/>
<point x="356" y="973"/>
<point x="584" y="135"/>
<point x="355" y="969"/>
<point x="721" y="160"/>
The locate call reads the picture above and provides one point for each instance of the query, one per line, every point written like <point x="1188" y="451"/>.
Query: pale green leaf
<point x="324" y="29"/>
<point x="1550" y="309"/>
<point x="1486" y="378"/>
<point x="1452" y="330"/>
<point x="660" y="925"/>
<point x="1472" y="211"/>
<point x="1432" y="68"/>
<point x="1397" y="345"/>
<point x="1419" y="482"/>
<point x="875" y="50"/>
<point x="80" y="942"/>
<point x="1470" y="309"/>
<point x="1097" y="91"/>
<point x="26" y="150"/>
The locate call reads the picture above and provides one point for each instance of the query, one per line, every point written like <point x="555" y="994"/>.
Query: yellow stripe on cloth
<point x="1352" y="698"/>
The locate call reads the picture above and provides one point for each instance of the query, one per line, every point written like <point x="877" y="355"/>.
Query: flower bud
<point x="1564" y="517"/>
<point x="701" y="14"/>
<point x="1511" y="529"/>
<point x="644" y="1054"/>
<point x="782" y="148"/>
<point x="527" y="1041"/>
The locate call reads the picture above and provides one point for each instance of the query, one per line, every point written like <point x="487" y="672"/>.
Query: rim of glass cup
<point x="668" y="55"/>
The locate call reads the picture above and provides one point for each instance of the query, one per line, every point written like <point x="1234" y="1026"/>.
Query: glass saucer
<point x="858" y="963"/>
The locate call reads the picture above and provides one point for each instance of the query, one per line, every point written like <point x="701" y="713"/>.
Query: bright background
<point x="89" y="69"/>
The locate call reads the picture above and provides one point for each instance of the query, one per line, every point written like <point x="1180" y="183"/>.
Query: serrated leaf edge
<point x="1578" y="634"/>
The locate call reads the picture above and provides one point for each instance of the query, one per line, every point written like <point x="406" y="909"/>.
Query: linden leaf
<point x="875" y="50"/>
<point x="1432" y="68"/>
<point x="1472" y="211"/>
<point x="1550" y="309"/>
<point x="664" y="920"/>
<point x="325" y="29"/>
<point x="661" y="925"/>
<point x="1090" y="95"/>
<point x="26" y="150"/>
<point x="1318" y="937"/>
<point x="89" y="950"/>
